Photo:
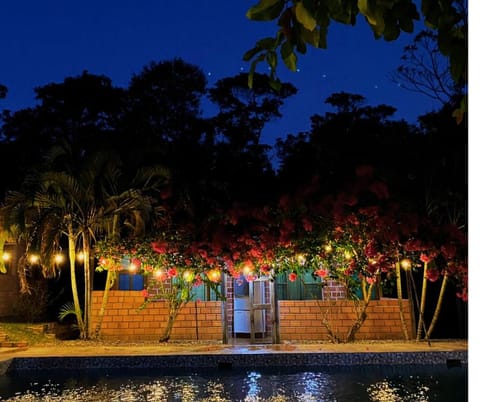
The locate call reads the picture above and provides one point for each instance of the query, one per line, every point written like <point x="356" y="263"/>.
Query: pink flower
<point x="144" y="293"/>
<point x="292" y="276"/>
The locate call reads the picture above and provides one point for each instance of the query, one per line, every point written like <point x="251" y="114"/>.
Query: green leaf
<point x="363" y="8"/>
<point x="253" y="67"/>
<point x="275" y="84"/>
<point x="288" y="56"/>
<point x="272" y="60"/>
<point x="311" y="37"/>
<point x="266" y="43"/>
<point x="250" y="53"/>
<point x="266" y="10"/>
<point x="304" y="17"/>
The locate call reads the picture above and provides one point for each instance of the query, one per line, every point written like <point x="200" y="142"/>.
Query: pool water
<point x="339" y="384"/>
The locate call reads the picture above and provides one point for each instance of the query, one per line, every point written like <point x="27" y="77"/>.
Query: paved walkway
<point x="86" y="348"/>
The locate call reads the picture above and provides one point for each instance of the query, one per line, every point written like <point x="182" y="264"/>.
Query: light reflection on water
<point x="358" y="383"/>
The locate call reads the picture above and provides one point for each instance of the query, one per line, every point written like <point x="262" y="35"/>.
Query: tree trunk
<point x="87" y="313"/>
<point x="362" y="315"/>
<point x="73" y="281"/>
<point x="423" y="298"/>
<point x="436" y="314"/>
<point x="111" y="277"/>
<point x="172" y="316"/>
<point x="400" y="300"/>
<point x="106" y="292"/>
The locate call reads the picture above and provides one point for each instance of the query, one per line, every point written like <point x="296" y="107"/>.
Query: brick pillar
<point x="334" y="290"/>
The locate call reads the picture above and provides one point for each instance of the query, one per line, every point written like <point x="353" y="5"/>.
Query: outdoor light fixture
<point x="328" y="248"/>
<point x="132" y="267"/>
<point x="301" y="259"/>
<point x="406" y="263"/>
<point x="80" y="256"/>
<point x="188" y="276"/>
<point x="214" y="275"/>
<point x="58" y="258"/>
<point x="6" y="256"/>
<point x="348" y="256"/>
<point x="34" y="259"/>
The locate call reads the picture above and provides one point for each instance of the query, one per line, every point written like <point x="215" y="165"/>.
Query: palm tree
<point x="132" y="208"/>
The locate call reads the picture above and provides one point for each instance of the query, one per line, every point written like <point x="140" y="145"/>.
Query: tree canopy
<point x="305" y="23"/>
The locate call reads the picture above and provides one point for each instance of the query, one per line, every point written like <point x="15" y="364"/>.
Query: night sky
<point x="45" y="41"/>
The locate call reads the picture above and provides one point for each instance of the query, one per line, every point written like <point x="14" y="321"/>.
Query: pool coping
<point x="228" y="360"/>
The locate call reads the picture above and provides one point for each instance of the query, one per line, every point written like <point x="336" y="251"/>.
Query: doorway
<point x="252" y="311"/>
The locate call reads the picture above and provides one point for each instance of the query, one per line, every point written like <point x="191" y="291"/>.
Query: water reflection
<point x="367" y="383"/>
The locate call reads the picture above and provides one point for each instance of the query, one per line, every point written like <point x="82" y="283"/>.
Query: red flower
<point x="172" y="272"/>
<point x="322" y="273"/>
<point x="380" y="190"/>
<point x="144" y="293"/>
<point x="449" y="250"/>
<point x="425" y="258"/>
<point x="364" y="171"/>
<point x="292" y="276"/>
<point x="371" y="280"/>
<point x="307" y="225"/>
<point x="433" y="275"/>
<point x="159" y="247"/>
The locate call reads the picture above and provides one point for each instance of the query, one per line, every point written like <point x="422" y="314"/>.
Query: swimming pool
<point x="386" y="383"/>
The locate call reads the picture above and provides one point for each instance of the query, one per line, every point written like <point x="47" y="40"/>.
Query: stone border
<point x="449" y="358"/>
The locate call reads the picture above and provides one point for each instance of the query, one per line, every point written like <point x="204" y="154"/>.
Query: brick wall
<point x="299" y="319"/>
<point x="302" y="319"/>
<point x="123" y="321"/>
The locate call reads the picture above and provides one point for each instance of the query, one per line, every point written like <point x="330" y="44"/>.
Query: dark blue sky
<point x="46" y="41"/>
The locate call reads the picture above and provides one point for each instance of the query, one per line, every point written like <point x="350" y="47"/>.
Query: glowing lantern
<point x="34" y="259"/>
<point x="58" y="258"/>
<point x="406" y="263"/>
<point x="301" y="259"/>
<point x="214" y="275"/>
<point x="188" y="276"/>
<point x="6" y="256"/>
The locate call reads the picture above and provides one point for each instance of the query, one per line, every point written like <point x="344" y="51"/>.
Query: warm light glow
<point x="80" y="256"/>
<point x="328" y="248"/>
<point x="6" y="256"/>
<point x="248" y="268"/>
<point x="301" y="259"/>
<point x="214" y="275"/>
<point x="132" y="267"/>
<point x="58" y="258"/>
<point x="406" y="263"/>
<point x="188" y="276"/>
<point x="348" y="256"/>
<point x="160" y="275"/>
<point x="33" y="259"/>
